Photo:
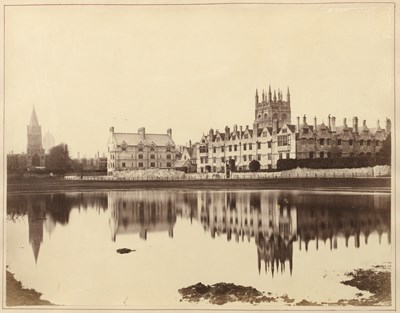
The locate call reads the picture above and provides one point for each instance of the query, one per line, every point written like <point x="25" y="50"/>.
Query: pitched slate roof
<point x="133" y="139"/>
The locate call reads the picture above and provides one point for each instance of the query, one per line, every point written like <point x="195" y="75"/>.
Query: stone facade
<point x="273" y="137"/>
<point x="325" y="141"/>
<point x="128" y="151"/>
<point x="35" y="151"/>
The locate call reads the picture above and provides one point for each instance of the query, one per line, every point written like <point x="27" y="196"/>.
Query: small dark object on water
<point x="124" y="250"/>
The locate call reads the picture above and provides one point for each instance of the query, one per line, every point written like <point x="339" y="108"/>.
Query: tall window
<point x="250" y="146"/>
<point x="269" y="144"/>
<point x="230" y="148"/>
<point x="140" y="156"/>
<point x="235" y="147"/>
<point x="152" y="164"/>
<point x="214" y="149"/>
<point x="140" y="164"/>
<point x="321" y="142"/>
<point x="152" y="156"/>
<point x="244" y="158"/>
<point x="258" y="145"/>
<point x="168" y="157"/>
<point x="244" y="146"/>
<point x="282" y="140"/>
<point x="168" y="164"/>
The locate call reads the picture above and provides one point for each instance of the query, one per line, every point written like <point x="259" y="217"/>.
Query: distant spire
<point x="34" y="120"/>
<point x="288" y="95"/>
<point x="274" y="96"/>
<point x="263" y="96"/>
<point x="257" y="96"/>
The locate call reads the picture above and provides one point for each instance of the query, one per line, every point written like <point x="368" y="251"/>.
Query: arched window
<point x="140" y="156"/>
<point x="284" y="118"/>
<point x="275" y="116"/>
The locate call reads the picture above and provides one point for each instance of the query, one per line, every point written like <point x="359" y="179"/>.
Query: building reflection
<point x="142" y="212"/>
<point x="268" y="217"/>
<point x="273" y="220"/>
<point x="46" y="211"/>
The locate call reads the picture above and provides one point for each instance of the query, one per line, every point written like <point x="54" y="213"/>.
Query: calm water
<point x="294" y="243"/>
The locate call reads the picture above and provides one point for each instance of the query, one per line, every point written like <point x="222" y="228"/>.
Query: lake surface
<point x="284" y="242"/>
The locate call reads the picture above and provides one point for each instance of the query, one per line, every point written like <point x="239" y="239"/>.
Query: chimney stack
<point x="211" y="134"/>
<point x="274" y="126"/>
<point x="355" y="124"/>
<point x="315" y="123"/>
<point x="227" y="133"/>
<point x="329" y="121"/>
<point x="388" y="125"/>
<point x="112" y="129"/>
<point x="333" y="124"/>
<point x="345" y="122"/>
<point x="304" y="119"/>
<point x="235" y="129"/>
<point x="364" y="123"/>
<point x="298" y="124"/>
<point x="255" y="130"/>
<point x="142" y="132"/>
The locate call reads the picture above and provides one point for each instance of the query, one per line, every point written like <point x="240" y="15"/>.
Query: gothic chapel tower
<point x="35" y="151"/>
<point x="272" y="108"/>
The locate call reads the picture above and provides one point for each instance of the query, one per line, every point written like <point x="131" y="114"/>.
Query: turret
<point x="269" y="94"/>
<point x="256" y="97"/>
<point x="288" y="95"/>
<point x="274" y="96"/>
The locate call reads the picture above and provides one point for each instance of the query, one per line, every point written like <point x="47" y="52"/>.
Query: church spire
<point x="288" y="95"/>
<point x="256" y="96"/>
<point x="34" y="120"/>
<point x="274" y="95"/>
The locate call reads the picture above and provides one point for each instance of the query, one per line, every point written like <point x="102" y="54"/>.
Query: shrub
<point x="254" y="166"/>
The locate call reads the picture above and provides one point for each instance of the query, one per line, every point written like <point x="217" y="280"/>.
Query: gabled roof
<point x="181" y="163"/>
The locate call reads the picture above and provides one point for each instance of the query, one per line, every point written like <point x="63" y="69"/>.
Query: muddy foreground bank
<point x="17" y="295"/>
<point x="375" y="281"/>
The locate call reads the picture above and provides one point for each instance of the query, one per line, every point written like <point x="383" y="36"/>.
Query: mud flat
<point x="375" y="280"/>
<point x="17" y="295"/>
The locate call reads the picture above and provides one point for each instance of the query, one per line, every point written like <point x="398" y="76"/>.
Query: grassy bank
<point x="59" y="185"/>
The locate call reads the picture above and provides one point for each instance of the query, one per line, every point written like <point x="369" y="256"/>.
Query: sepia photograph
<point x="190" y="156"/>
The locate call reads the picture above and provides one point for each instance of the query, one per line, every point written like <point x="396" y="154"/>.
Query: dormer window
<point x="284" y="130"/>
<point x="305" y="131"/>
<point x="140" y="147"/>
<point x="123" y="146"/>
<point x="246" y="136"/>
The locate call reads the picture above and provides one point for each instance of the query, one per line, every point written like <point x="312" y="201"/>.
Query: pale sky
<point x="190" y="68"/>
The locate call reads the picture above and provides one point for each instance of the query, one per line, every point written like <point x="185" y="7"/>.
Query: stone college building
<point x="273" y="137"/>
<point x="128" y="151"/>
